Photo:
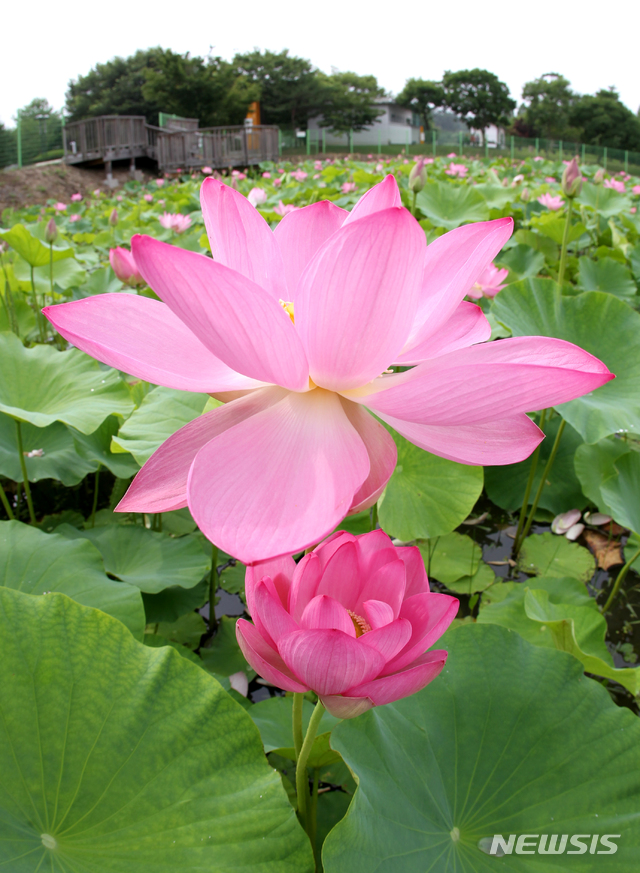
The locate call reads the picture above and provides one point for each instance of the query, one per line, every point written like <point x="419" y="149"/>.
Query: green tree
<point x="479" y="97"/>
<point x="605" y="121"/>
<point x="349" y="102"/>
<point x="423" y="96"/>
<point x="289" y="88"/>
<point x="547" y="106"/>
<point x="41" y="129"/>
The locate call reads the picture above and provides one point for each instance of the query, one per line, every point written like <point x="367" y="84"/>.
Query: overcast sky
<point x="45" y="44"/>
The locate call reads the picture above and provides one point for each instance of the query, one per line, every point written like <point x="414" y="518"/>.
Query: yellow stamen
<point x="288" y="308"/>
<point x="360" y="624"/>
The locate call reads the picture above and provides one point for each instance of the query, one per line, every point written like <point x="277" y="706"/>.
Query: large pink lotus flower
<point x="352" y="621"/>
<point x="295" y="330"/>
<point x="552" y="202"/>
<point x="488" y="283"/>
<point x="615" y="184"/>
<point x="124" y="266"/>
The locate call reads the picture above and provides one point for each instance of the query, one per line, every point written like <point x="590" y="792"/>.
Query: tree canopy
<point x="604" y="120"/>
<point x="349" y="102"/>
<point x="478" y="96"/>
<point x="547" y="106"/>
<point x="423" y="96"/>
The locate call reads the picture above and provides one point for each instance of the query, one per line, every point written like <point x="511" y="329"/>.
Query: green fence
<point x="440" y="143"/>
<point x="30" y="141"/>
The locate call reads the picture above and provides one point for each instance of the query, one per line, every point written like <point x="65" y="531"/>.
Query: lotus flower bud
<point x="418" y="176"/>
<point x="572" y="179"/>
<point x="599" y="176"/>
<point x="113" y="218"/>
<point x="51" y="231"/>
<point x="124" y="266"/>
<point x="525" y="195"/>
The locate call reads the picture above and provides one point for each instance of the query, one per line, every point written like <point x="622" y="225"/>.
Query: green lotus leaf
<point x="550" y="555"/>
<point x="595" y="463"/>
<point x="621" y="491"/>
<point x="449" y="206"/>
<point x="31" y="249"/>
<point x="606" y="275"/>
<point x="50" y="453"/>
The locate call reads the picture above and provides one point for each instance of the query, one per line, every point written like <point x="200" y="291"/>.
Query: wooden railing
<point x="114" y="137"/>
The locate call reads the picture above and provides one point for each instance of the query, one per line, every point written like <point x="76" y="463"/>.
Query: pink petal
<point x="305" y="582"/>
<point x="467" y="386"/>
<point x="161" y="485"/>
<point x="301" y="233"/>
<point x="374" y="550"/>
<point x="430" y="615"/>
<point x="280" y="481"/>
<point x="412" y="679"/>
<point x="341" y="579"/>
<point x="467" y="326"/>
<point x="269" y="615"/>
<point x="386" y="584"/>
<point x="357" y="298"/>
<point x="240" y="238"/>
<point x="503" y="441"/>
<point x="416" y="575"/>
<point x="453" y="263"/>
<point x="144" y="338"/>
<point x="390" y="639"/>
<point x="384" y="195"/>
<point x="329" y="661"/>
<point x="325" y="612"/>
<point x="346" y="707"/>
<point x="264" y="660"/>
<point x="377" y="612"/>
<point x="382" y="451"/>
<point x="231" y="315"/>
<point x="280" y="570"/>
<point x="327" y="548"/>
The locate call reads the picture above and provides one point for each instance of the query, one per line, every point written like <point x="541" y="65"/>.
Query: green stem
<point x="5" y="502"/>
<point x="547" y="470"/>
<point x="25" y="478"/>
<point x="565" y="243"/>
<point x="298" y="699"/>
<point x="51" y="269"/>
<point x="619" y="580"/>
<point x="96" y="485"/>
<point x="313" y="836"/>
<point x="413" y="205"/>
<point x="374" y="517"/>
<point x="302" y="779"/>
<point x="213" y="587"/>
<point x="527" y="490"/>
<point x="36" y="307"/>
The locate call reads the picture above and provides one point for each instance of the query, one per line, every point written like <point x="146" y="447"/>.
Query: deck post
<point x="244" y="146"/>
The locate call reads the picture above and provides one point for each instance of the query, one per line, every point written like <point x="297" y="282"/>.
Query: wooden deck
<point x="111" y="138"/>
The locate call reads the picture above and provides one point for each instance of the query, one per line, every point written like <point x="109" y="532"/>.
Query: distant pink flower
<point x="119" y="198"/>
<point x="161" y="202"/>
<point x="76" y="198"/>
<point x="488" y="283"/>
<point x="299" y="175"/>
<point x="551" y="202"/>
<point x="517" y="179"/>
<point x="317" y="176"/>
<point x="159" y="182"/>
<point x="148" y="198"/>
<point x="550" y="179"/>
<point x="348" y="187"/>
<point x="352" y="621"/>
<point x="615" y="184"/>
<point x="379" y="168"/>
<point x="257" y="196"/>
<point x="317" y="165"/>
<point x="75" y="217"/>
<point x="60" y="207"/>
<point x="124" y="266"/>
<point x="266" y="175"/>
<point x="175" y="221"/>
<point x="299" y="325"/>
<point x="459" y="170"/>
<point x="179" y="170"/>
<point x="538" y="158"/>
<point x="277" y="182"/>
<point x="450" y="155"/>
<point x="238" y="175"/>
<point x="636" y="189"/>
<point x="207" y="171"/>
<point x="281" y="170"/>
<point x="633" y="210"/>
<point x="285" y="208"/>
<point x="96" y="192"/>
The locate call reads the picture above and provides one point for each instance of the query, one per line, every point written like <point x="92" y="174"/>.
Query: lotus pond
<point x="134" y="734"/>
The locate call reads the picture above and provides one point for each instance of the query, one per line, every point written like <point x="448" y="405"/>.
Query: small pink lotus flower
<point x="551" y="202"/>
<point x="207" y="171"/>
<point x="633" y="210"/>
<point x="236" y="174"/>
<point x="161" y="202"/>
<point x="352" y="622"/>
<point x="299" y="175"/>
<point x="317" y="176"/>
<point x="285" y="208"/>
<point x="615" y="184"/>
<point x="459" y="170"/>
<point x="124" y="266"/>
<point x="294" y="330"/>
<point x="159" y="182"/>
<point x="635" y="189"/>
<point x="317" y="165"/>
<point x="538" y="158"/>
<point x="96" y="192"/>
<point x="266" y="175"/>
<point x="450" y="155"/>
<point x="379" y="168"/>
<point x="176" y="222"/>
<point x="51" y="231"/>
<point x="75" y="217"/>
<point x="277" y="182"/>
<point x="516" y="180"/>
<point x="550" y="179"/>
<point x="76" y="198"/>
<point x="148" y="198"/>
<point x="348" y="187"/>
<point x="119" y="198"/>
<point x="488" y="284"/>
<point x="281" y="170"/>
<point x="257" y="196"/>
<point x="60" y="207"/>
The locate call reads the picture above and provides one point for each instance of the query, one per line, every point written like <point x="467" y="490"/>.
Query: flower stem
<point x="5" y="502"/>
<point x="619" y="580"/>
<point x="313" y="836"/>
<point x="25" y="478"/>
<point x="547" y="470"/>
<point x="565" y="243"/>
<point x="302" y="780"/>
<point x="213" y="587"/>
<point x="51" y="269"/>
<point x="374" y="517"/>
<point x="298" y="700"/>
<point x="527" y="490"/>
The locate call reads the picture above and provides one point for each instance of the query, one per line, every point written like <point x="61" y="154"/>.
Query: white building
<point x="396" y="125"/>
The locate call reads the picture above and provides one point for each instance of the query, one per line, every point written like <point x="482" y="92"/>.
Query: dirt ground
<point x="39" y="183"/>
